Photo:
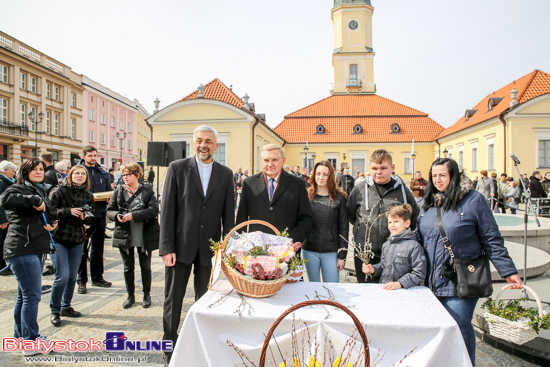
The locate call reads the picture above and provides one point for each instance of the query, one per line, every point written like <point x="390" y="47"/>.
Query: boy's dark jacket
<point x="99" y="182"/>
<point x="69" y="229"/>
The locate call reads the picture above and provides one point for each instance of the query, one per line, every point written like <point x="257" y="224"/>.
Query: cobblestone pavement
<point x="102" y="311"/>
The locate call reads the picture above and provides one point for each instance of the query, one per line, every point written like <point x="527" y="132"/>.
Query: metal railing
<point x="16" y="129"/>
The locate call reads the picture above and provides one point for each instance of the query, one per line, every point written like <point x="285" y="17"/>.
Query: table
<point x="396" y="322"/>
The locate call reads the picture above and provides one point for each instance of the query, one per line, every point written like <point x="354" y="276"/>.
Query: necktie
<point x="271" y="188"/>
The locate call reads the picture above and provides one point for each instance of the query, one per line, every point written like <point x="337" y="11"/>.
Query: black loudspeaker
<point x="156" y="153"/>
<point x="175" y="151"/>
<point x="141" y="164"/>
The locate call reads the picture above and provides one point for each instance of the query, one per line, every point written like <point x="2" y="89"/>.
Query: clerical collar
<point x="201" y="164"/>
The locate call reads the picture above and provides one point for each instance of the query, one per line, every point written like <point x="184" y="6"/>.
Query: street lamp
<point x="306" y="149"/>
<point x="35" y="122"/>
<point x="413" y="156"/>
<point x="313" y="158"/>
<point x="445" y="153"/>
<point x="118" y="135"/>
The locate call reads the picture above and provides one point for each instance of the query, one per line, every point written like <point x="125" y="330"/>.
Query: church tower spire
<point x="353" y="55"/>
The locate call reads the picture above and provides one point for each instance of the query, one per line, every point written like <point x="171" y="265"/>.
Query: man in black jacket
<point x="99" y="182"/>
<point x="151" y="176"/>
<point x="276" y="197"/>
<point x="198" y="197"/>
<point x="537" y="191"/>
<point x="347" y="182"/>
<point x="51" y="176"/>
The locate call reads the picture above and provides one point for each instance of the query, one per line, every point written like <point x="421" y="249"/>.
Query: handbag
<point x="472" y="276"/>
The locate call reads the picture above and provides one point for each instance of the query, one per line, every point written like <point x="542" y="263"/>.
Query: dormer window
<point x="469" y="113"/>
<point x="320" y="129"/>
<point x="493" y="102"/>
<point x="395" y="129"/>
<point x="358" y="129"/>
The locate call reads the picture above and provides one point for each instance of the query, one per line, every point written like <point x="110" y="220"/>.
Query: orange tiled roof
<point x="339" y="114"/>
<point x="529" y="86"/>
<point x="219" y="91"/>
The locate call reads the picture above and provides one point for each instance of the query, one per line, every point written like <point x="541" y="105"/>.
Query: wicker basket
<point x="356" y="321"/>
<point x="296" y="275"/>
<point x="248" y="286"/>
<point x="512" y="331"/>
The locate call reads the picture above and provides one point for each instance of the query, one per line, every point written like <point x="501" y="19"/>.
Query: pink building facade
<point x="106" y="114"/>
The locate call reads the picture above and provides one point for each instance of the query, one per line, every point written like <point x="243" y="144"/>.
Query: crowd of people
<point x="397" y="222"/>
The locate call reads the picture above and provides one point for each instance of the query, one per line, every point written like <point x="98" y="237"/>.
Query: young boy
<point x="403" y="263"/>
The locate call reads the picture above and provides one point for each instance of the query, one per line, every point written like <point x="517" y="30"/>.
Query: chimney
<point x="513" y="95"/>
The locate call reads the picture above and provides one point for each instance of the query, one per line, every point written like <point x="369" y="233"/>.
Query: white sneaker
<point x="28" y="353"/>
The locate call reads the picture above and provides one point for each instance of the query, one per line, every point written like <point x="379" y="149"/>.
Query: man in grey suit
<point x="197" y="199"/>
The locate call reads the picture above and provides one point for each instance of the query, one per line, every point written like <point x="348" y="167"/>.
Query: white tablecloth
<point x="396" y="322"/>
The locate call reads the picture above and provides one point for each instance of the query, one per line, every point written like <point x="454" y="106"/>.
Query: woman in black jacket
<point x="325" y="248"/>
<point x="134" y="209"/>
<point x="27" y="242"/>
<point x="70" y="202"/>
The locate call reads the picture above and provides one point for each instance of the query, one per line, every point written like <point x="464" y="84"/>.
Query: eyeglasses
<point x="79" y="173"/>
<point x="127" y="174"/>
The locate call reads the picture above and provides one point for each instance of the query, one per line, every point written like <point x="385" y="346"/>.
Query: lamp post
<point x="35" y="122"/>
<point x="344" y="161"/>
<point x="313" y="158"/>
<point x="413" y="156"/>
<point x="445" y="153"/>
<point x="306" y="149"/>
<point x="121" y="137"/>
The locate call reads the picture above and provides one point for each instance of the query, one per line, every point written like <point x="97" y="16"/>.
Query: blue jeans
<point x="66" y="261"/>
<point x="321" y="262"/>
<point x="28" y="273"/>
<point x="462" y="310"/>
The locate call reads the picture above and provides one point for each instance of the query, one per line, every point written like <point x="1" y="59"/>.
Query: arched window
<point x="358" y="129"/>
<point x="320" y="129"/>
<point x="395" y="129"/>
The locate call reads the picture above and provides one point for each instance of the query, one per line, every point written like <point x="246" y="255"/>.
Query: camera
<point x="87" y="214"/>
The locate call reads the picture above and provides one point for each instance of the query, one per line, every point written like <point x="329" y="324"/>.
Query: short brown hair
<point x="87" y="149"/>
<point x="46" y="157"/>
<point x="70" y="176"/>
<point x="381" y="155"/>
<point x="494" y="175"/>
<point x="483" y="172"/>
<point x="402" y="211"/>
<point x="132" y="168"/>
<point x="536" y="173"/>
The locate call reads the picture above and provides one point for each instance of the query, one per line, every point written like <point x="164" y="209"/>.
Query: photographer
<point x="134" y="209"/>
<point x="26" y="243"/>
<point x="73" y="205"/>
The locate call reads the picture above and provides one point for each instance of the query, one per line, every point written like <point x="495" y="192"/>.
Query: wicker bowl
<point x="248" y="286"/>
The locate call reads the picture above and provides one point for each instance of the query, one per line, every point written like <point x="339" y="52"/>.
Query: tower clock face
<point x="353" y="25"/>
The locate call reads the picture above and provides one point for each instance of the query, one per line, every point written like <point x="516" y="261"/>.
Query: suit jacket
<point x="289" y="208"/>
<point x="189" y="219"/>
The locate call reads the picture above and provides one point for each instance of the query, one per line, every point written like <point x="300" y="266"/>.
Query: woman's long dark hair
<point x="451" y="196"/>
<point x="333" y="190"/>
<point x="27" y="166"/>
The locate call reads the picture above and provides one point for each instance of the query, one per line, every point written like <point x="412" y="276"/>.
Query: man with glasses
<point x="99" y="182"/>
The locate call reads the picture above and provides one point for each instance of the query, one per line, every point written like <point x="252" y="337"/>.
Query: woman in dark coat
<point x="471" y="228"/>
<point x="27" y="242"/>
<point x="324" y="247"/>
<point x="134" y="209"/>
<point x="69" y="201"/>
<point x="7" y="174"/>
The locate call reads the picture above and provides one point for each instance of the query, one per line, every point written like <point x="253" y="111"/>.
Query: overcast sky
<point x="438" y="56"/>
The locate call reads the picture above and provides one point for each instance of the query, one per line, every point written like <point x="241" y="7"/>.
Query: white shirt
<point x="205" y="172"/>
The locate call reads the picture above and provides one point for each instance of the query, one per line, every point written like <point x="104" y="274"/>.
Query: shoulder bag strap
<point x="446" y="241"/>
<point x="133" y="197"/>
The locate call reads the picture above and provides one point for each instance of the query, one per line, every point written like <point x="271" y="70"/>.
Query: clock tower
<point x="353" y="55"/>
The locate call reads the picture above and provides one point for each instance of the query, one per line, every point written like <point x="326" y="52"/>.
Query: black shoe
<point x="102" y="283"/>
<point x="50" y="270"/>
<point x="55" y="319"/>
<point x="46" y="289"/>
<point x="70" y="312"/>
<point x="6" y="271"/>
<point x="129" y="302"/>
<point x="82" y="289"/>
<point x="146" y="300"/>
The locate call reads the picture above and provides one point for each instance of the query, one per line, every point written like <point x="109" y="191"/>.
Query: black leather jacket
<point x="330" y="221"/>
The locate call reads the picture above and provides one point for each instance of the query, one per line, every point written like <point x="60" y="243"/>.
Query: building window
<point x="73" y="100"/>
<point x="112" y="122"/>
<point x="129" y="144"/>
<point x="408" y="166"/>
<point x="91" y="136"/>
<point x="103" y="119"/>
<point x="353" y="74"/>
<point x="3" y="74"/>
<point x="56" y="94"/>
<point x="3" y="110"/>
<point x="48" y="121"/>
<point x="460" y="159"/>
<point x="23" y="81"/>
<point x="121" y="124"/>
<point x="491" y="156"/>
<point x="33" y="85"/>
<point x="333" y="161"/>
<point x="129" y="127"/>
<point x="219" y="155"/>
<point x="92" y="114"/>
<point x="48" y="90"/>
<point x="32" y="125"/>
<point x="121" y="143"/>
<point x="23" y="114"/>
<point x="56" y="124"/>
<point x="73" y="128"/>
<point x="544" y="153"/>
<point x="102" y="139"/>
<point x="112" y="140"/>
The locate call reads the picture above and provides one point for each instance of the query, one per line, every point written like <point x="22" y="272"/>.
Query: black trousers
<point x="128" y="260"/>
<point x="3" y="233"/>
<point x="96" y="254"/>
<point x="176" y="278"/>
<point x="361" y="277"/>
